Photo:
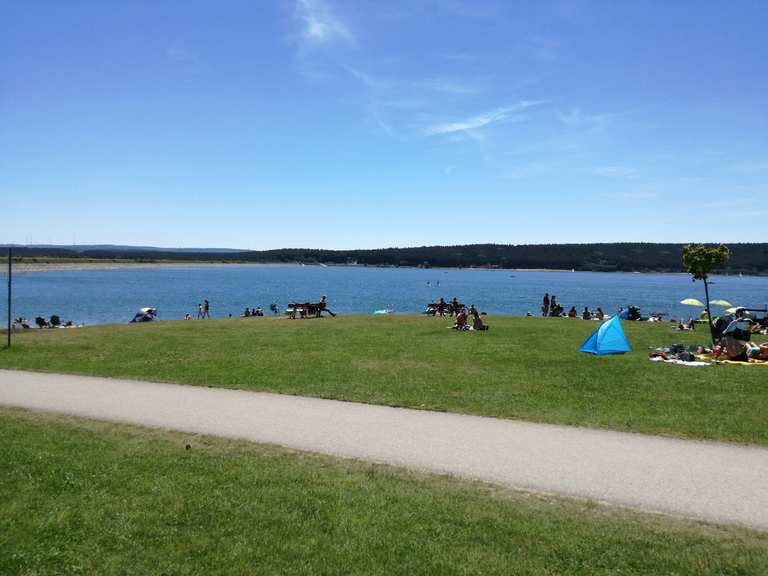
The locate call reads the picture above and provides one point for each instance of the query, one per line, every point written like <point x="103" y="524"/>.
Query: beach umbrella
<point x="723" y="303"/>
<point x="731" y="310"/>
<point x="692" y="302"/>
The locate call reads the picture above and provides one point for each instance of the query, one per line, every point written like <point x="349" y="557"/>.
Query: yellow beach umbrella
<point x="723" y="303"/>
<point x="692" y="302"/>
<point x="731" y="310"/>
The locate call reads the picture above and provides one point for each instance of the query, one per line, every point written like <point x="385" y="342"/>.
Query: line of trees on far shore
<point x="607" y="257"/>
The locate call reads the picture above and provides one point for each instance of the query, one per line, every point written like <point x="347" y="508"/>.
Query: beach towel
<point x="711" y="358"/>
<point x="678" y="362"/>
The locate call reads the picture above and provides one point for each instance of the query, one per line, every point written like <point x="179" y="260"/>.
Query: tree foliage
<point x="700" y="260"/>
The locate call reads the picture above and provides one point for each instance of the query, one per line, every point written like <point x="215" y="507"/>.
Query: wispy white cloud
<point x="615" y="172"/>
<point x="452" y="86"/>
<point x="475" y="122"/>
<point x="575" y="118"/>
<point x="319" y="24"/>
<point x="370" y="81"/>
<point x="375" y="87"/>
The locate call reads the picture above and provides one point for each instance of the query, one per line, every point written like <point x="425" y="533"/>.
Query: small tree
<point x="699" y="261"/>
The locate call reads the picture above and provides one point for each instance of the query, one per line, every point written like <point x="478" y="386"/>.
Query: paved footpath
<point x="705" y="480"/>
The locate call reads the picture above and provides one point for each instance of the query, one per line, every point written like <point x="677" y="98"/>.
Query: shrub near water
<point x="527" y="368"/>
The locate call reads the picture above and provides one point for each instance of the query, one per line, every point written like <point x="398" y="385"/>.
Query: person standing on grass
<point x="199" y="311"/>
<point x="545" y="305"/>
<point x="206" y="309"/>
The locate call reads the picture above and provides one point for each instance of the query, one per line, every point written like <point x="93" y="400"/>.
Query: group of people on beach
<point x="735" y="331"/>
<point x="41" y="322"/>
<point x="309" y="309"/>
<point x="442" y="308"/>
<point x="203" y="311"/>
<point x="462" y="320"/>
<point x="551" y="307"/>
<point x="257" y="311"/>
<point x="303" y="310"/>
<point x="466" y="319"/>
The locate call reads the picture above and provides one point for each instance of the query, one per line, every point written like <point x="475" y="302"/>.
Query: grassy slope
<point x="522" y="368"/>
<point x="80" y="497"/>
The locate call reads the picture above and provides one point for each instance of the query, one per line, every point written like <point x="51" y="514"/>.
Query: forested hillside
<point x="627" y="257"/>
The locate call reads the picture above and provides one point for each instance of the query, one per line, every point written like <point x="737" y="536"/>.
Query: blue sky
<point x="345" y="124"/>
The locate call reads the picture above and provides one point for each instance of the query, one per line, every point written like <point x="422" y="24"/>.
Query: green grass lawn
<point x="527" y="368"/>
<point x="83" y="497"/>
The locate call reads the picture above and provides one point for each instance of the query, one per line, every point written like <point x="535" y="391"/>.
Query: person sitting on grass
<point x="477" y="323"/>
<point x="572" y="312"/>
<point x="247" y="313"/>
<point x="600" y="315"/>
<point x="461" y="321"/>
<point x="586" y="315"/>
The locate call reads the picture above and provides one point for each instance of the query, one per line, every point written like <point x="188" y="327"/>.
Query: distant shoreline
<point x="623" y="257"/>
<point x="25" y="267"/>
<point x="34" y="267"/>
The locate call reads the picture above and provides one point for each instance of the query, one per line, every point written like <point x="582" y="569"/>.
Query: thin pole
<point x="709" y="312"/>
<point x="10" y="288"/>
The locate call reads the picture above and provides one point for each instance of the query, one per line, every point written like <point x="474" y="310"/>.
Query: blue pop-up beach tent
<point x="609" y="338"/>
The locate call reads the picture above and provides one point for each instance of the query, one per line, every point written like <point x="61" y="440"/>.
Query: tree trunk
<point x="709" y="313"/>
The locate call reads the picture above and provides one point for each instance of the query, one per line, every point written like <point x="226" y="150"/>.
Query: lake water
<point x="102" y="296"/>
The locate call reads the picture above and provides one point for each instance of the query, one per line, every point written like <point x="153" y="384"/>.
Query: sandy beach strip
<point x="25" y="267"/>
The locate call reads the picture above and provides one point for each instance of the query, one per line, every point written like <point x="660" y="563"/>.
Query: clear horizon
<point x="355" y="125"/>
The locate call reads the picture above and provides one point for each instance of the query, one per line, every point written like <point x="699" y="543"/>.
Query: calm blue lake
<point x="103" y="296"/>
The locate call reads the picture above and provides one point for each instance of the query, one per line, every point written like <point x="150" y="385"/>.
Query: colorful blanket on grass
<point x="711" y="359"/>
